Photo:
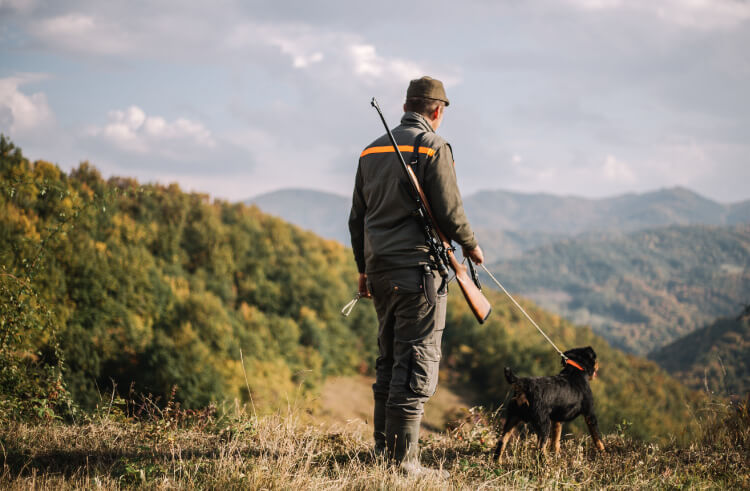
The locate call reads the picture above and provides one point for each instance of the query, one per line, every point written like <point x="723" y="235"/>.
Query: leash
<point x="350" y="306"/>
<point x="565" y="358"/>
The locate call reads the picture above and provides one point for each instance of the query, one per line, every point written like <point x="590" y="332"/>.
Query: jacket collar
<point x="415" y="119"/>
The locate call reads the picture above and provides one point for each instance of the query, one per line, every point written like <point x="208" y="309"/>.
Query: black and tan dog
<point x="545" y="403"/>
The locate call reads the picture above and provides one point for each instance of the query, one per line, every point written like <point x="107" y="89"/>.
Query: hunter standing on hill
<point x="396" y="269"/>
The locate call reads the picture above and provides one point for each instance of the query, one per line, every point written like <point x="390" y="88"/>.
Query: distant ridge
<point x="715" y="357"/>
<point x="523" y="220"/>
<point x="324" y="213"/>
<point x="570" y="215"/>
<point x="639" y="290"/>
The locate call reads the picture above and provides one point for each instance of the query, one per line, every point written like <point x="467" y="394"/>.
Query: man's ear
<point x="436" y="113"/>
<point x="404" y="107"/>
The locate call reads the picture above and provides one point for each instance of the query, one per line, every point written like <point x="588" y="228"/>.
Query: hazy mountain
<point x="506" y="210"/>
<point x="508" y="223"/>
<point x="326" y="214"/>
<point x="715" y="357"/>
<point x="640" y="290"/>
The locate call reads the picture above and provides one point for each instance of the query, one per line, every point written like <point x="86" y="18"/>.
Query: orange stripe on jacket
<point x="402" y="148"/>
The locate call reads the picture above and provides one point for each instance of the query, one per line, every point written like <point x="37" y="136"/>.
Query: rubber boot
<point x="402" y="438"/>
<point x="378" y="422"/>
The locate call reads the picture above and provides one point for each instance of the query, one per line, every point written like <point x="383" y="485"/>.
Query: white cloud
<point x="83" y="33"/>
<point x="132" y="130"/>
<point x="303" y="45"/>
<point x="319" y="159"/>
<point x="617" y="171"/>
<point x="367" y="63"/>
<point x="22" y="113"/>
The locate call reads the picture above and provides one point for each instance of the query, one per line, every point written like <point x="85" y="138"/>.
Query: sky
<point x="237" y="98"/>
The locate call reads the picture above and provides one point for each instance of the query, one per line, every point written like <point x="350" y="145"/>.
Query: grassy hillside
<point x="174" y="449"/>
<point x="642" y="290"/>
<point x="715" y="358"/>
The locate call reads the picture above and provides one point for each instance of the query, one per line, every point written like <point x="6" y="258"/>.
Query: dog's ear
<point x="590" y="352"/>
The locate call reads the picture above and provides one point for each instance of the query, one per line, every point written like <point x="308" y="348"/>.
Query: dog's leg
<point x="544" y="432"/>
<point x="594" y="430"/>
<point x="556" y="432"/>
<point x="511" y="423"/>
<point x="542" y="429"/>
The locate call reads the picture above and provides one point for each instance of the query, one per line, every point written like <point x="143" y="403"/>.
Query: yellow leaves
<point x="306" y="313"/>
<point x="270" y="382"/>
<point x="180" y="287"/>
<point x="46" y="170"/>
<point x="86" y="190"/>
<point x="248" y="312"/>
<point x="234" y="378"/>
<point x="100" y="247"/>
<point x="21" y="222"/>
<point x="140" y="332"/>
<point x="131" y="231"/>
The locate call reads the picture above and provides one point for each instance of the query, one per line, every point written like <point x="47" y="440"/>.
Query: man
<point x="396" y="269"/>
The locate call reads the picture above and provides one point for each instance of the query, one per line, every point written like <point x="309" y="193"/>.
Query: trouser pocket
<point x="425" y="367"/>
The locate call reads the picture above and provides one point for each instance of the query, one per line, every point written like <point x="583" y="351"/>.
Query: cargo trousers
<point x="411" y="315"/>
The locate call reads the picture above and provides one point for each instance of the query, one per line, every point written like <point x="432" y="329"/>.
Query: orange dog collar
<point x="568" y="361"/>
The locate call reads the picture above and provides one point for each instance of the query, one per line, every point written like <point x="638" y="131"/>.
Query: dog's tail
<point x="510" y="376"/>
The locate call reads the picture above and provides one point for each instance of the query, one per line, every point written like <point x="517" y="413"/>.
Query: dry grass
<point x="345" y="404"/>
<point x="281" y="452"/>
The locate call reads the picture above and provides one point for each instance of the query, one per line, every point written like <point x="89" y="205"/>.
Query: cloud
<point x="696" y="14"/>
<point x="238" y="41"/>
<point x="21" y="113"/>
<point x="368" y="64"/>
<point x="16" y="5"/>
<point x="82" y="33"/>
<point x="132" y="130"/>
<point x="617" y="171"/>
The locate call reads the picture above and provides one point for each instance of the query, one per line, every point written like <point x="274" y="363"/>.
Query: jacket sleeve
<point x="357" y="222"/>
<point x="441" y="190"/>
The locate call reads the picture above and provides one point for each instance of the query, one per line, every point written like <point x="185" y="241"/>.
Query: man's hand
<point x="475" y="255"/>
<point x="363" y="291"/>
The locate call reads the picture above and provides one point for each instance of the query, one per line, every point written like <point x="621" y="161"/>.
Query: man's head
<point x="426" y="96"/>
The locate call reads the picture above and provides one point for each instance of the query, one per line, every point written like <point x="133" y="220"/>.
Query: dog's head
<point x="585" y="358"/>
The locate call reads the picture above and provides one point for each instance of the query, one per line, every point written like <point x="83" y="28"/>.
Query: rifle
<point x="439" y="245"/>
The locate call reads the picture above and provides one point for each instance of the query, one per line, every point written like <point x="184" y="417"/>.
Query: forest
<point x="113" y="288"/>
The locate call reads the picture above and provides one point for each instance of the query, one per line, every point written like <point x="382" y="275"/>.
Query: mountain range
<point x="639" y="290"/>
<point x="508" y="223"/>
<point x="641" y="269"/>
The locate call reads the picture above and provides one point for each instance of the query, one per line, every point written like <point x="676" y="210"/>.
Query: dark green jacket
<point x="385" y="234"/>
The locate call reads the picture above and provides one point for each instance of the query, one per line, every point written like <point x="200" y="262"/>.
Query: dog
<point x="545" y="403"/>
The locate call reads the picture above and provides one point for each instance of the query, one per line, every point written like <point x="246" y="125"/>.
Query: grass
<point x="173" y="448"/>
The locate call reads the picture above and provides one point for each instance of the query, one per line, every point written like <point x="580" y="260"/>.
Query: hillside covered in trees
<point x="640" y="290"/>
<point x="715" y="358"/>
<point x="160" y="288"/>
<point x="152" y="288"/>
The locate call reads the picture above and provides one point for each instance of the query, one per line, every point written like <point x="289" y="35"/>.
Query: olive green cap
<point x="427" y="88"/>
